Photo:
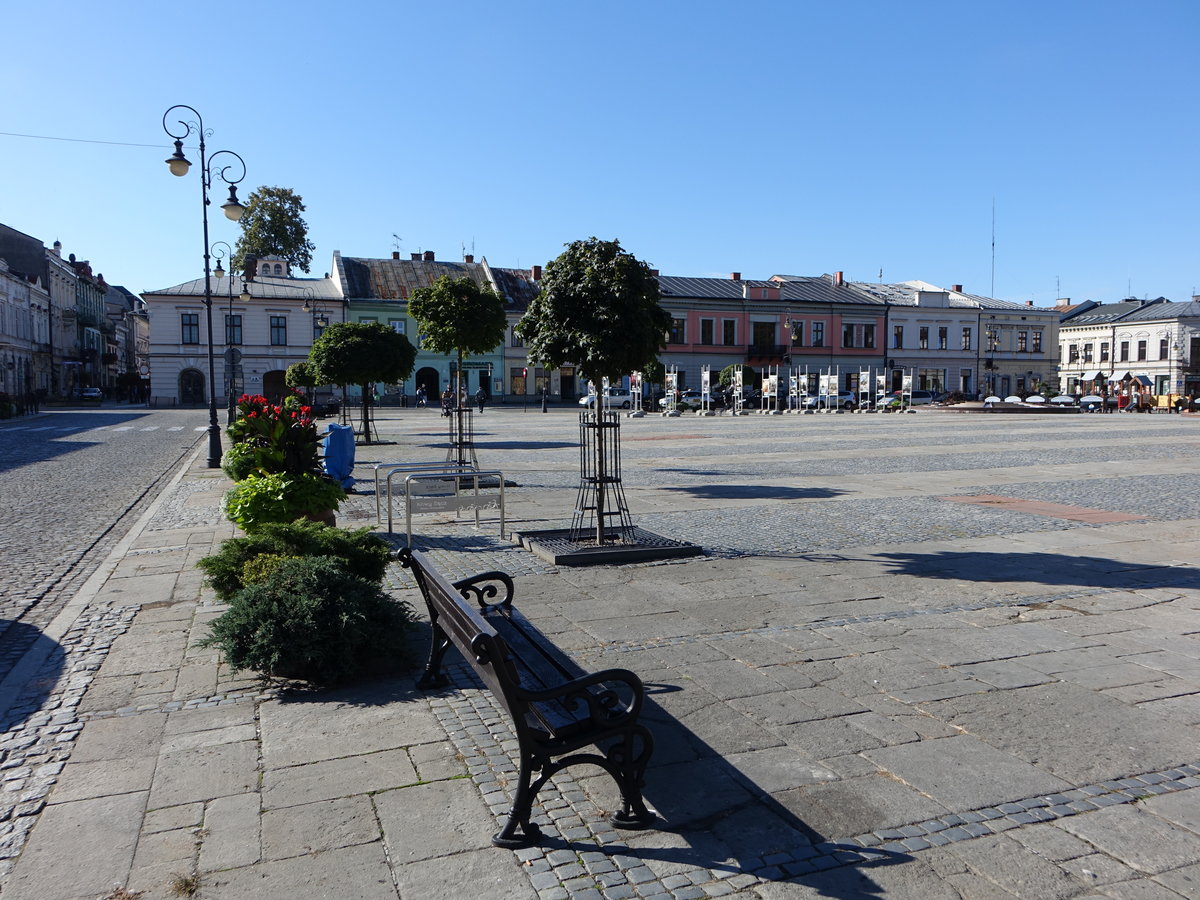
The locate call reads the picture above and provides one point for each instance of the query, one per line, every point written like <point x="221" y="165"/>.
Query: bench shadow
<point x="1058" y="569"/>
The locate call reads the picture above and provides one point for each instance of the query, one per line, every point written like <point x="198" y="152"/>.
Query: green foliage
<point x="239" y="461"/>
<point x="749" y="377"/>
<point x="457" y="315"/>
<point x="363" y="553"/>
<point x="312" y="619"/>
<point x="300" y="375"/>
<point x="272" y="225"/>
<point x="258" y="500"/>
<point x="598" y="308"/>
<point x="283" y="437"/>
<point x="361" y="353"/>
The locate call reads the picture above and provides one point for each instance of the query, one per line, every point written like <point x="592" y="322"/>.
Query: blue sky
<point x="759" y="137"/>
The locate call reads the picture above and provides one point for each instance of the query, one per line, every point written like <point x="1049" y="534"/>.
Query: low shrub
<point x="239" y="461"/>
<point x="241" y="559"/>
<point x="259" y="500"/>
<point x="313" y="620"/>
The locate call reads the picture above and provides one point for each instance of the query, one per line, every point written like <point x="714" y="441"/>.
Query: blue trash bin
<point x="339" y="454"/>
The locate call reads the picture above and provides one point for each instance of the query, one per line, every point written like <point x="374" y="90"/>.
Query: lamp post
<point x="179" y="165"/>
<point x="233" y="356"/>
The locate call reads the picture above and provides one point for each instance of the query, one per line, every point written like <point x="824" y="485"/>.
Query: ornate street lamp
<point x="179" y="165"/>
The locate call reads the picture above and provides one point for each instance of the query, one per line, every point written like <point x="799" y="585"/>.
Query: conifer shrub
<point x="311" y="619"/>
<point x="362" y="553"/>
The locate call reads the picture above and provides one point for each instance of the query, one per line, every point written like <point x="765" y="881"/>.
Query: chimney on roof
<point x="428" y="257"/>
<point x="469" y="258"/>
<point x="395" y="254"/>
<point x="654" y="273"/>
<point x="735" y="276"/>
<point x="838" y="279"/>
<point x="1029" y="303"/>
<point x="536" y="272"/>
<point x="957" y="288"/>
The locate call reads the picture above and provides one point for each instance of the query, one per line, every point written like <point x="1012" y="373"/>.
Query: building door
<point x="427" y="378"/>
<point x="274" y="385"/>
<point x="567" y="383"/>
<point x="191" y="388"/>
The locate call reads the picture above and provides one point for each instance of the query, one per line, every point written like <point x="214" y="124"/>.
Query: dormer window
<point x="266" y="269"/>
<point x="278" y="269"/>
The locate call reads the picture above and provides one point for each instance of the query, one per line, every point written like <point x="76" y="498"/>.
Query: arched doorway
<point x="274" y="386"/>
<point x="428" y="379"/>
<point x="191" y="388"/>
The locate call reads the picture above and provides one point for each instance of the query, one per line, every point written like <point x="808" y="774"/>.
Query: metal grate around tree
<point x="461" y="429"/>
<point x="601" y="515"/>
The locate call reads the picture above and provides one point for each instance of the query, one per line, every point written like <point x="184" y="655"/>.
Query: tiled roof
<point x="262" y="287"/>
<point x="904" y="293"/>
<point x="396" y="279"/>
<point x="1103" y="313"/>
<point x="1168" y="310"/>
<point x="793" y="289"/>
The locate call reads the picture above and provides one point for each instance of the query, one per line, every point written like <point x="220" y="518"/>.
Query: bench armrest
<point x="483" y="587"/>
<point x="604" y="707"/>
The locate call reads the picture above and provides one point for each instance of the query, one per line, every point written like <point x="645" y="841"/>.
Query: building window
<point x="233" y="329"/>
<point x="278" y="269"/>
<point x="678" y="332"/>
<point x="1162" y="349"/>
<point x="1141" y="351"/>
<point x="1022" y="341"/>
<point x="869" y="337"/>
<point x="398" y="325"/>
<point x="278" y="331"/>
<point x="966" y="339"/>
<point x="190" y="323"/>
<point x="818" y="334"/>
<point x="923" y="337"/>
<point x="943" y="338"/>
<point x="707" y="331"/>
<point x="1087" y="353"/>
<point x="847" y="335"/>
<point x="1103" y="347"/>
<point x="897" y="337"/>
<point x="1037" y="342"/>
<point x="1124" y="351"/>
<point x="1072" y="353"/>
<point x="729" y="332"/>
<point x="515" y="339"/>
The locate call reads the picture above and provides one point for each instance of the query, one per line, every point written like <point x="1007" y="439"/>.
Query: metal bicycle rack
<point x="443" y="504"/>
<point x="435" y="465"/>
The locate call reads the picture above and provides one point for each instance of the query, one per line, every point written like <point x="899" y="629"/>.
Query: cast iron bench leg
<point x="518" y="831"/>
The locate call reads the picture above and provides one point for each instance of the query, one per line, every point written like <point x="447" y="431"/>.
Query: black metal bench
<point x="556" y="707"/>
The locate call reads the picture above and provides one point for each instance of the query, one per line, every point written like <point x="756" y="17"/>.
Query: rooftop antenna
<point x="396" y="239"/>
<point x="992" y="292"/>
<point x="1057" y="287"/>
<point x="881" y="274"/>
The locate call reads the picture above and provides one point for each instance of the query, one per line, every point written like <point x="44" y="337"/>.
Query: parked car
<point x="689" y="400"/>
<point x="91" y="393"/>
<point x="612" y="397"/>
<point x="922" y="398"/>
<point x="840" y="400"/>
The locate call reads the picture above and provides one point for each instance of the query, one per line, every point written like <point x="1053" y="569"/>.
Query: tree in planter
<point x="362" y="353"/>
<point x="457" y="315"/>
<point x="598" y="308"/>
<point x="301" y="375"/>
<point x="272" y="225"/>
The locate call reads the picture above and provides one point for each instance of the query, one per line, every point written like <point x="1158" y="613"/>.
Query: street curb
<point x="33" y="660"/>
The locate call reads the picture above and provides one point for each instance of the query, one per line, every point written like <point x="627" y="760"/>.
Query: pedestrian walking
<point x="421" y="396"/>
<point x="481" y="399"/>
<point x="447" y="401"/>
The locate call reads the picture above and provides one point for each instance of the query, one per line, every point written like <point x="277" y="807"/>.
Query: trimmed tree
<point x="598" y="308"/>
<point x="273" y="225"/>
<point x="361" y="353"/>
<point x="458" y="316"/>
<point x="300" y="375"/>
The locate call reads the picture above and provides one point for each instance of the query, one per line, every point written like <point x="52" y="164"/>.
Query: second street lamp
<point x="179" y="165"/>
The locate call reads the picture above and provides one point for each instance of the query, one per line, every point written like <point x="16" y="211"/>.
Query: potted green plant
<point x="260" y="499"/>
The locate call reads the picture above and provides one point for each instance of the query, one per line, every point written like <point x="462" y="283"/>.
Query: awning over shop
<point x="1089" y="376"/>
<point x="1143" y="380"/>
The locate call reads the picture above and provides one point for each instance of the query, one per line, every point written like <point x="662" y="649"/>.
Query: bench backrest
<point x="478" y="642"/>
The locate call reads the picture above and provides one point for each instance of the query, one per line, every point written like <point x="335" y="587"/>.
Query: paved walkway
<point x="925" y="656"/>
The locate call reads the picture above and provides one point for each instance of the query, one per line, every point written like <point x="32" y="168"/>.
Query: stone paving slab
<point x="890" y="697"/>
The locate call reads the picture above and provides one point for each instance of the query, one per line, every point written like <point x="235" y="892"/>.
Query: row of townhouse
<point x="63" y="327"/>
<point x="811" y="326"/>
<point x="1146" y="347"/>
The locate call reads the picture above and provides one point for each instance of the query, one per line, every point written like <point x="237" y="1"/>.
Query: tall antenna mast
<point x="992" y="291"/>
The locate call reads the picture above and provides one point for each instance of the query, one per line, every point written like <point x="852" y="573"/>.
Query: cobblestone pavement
<point x="74" y="481"/>
<point x="881" y="692"/>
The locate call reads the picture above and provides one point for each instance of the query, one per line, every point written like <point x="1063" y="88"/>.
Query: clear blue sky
<point x="760" y="137"/>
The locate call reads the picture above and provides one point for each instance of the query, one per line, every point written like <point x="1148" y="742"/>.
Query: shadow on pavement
<point x="19" y="641"/>
<point x="755" y="492"/>
<point x="1043" y="568"/>
<point x="715" y="816"/>
<point x="27" y="444"/>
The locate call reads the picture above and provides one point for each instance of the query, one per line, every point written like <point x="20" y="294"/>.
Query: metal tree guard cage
<point x="601" y="514"/>
<point x="461" y="429"/>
